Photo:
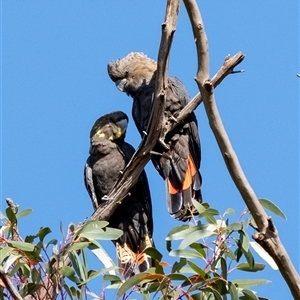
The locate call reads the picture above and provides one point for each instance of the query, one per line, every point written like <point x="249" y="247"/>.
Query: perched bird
<point x="109" y="154"/>
<point x="179" y="162"/>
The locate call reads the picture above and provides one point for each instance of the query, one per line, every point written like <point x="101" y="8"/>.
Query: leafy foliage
<point x="208" y="250"/>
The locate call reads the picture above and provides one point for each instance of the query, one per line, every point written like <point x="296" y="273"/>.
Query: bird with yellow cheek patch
<point x="109" y="154"/>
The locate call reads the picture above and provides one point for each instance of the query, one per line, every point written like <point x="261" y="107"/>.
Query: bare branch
<point x="9" y="286"/>
<point x="267" y="236"/>
<point x="226" y="69"/>
<point x="142" y="155"/>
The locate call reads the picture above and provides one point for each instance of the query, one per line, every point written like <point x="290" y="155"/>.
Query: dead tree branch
<point x="267" y="236"/>
<point x="142" y="155"/>
<point x="9" y="285"/>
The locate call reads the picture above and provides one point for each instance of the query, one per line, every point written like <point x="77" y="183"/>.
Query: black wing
<point x="89" y="184"/>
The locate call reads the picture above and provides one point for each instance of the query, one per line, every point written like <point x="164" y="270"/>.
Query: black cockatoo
<point x="179" y="165"/>
<point x="109" y="154"/>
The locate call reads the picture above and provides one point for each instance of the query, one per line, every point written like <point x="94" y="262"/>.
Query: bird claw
<point x="105" y="198"/>
<point x="162" y="142"/>
<point x="173" y="119"/>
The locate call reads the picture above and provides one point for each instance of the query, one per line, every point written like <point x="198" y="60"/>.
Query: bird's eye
<point x="126" y="73"/>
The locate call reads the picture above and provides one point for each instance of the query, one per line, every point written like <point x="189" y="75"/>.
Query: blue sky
<point x="55" y="85"/>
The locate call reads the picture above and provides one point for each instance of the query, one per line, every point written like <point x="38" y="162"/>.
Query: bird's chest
<point x="106" y="170"/>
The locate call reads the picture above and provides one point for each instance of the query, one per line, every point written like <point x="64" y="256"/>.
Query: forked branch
<point x="142" y="155"/>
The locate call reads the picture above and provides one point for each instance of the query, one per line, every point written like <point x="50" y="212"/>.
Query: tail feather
<point x="180" y="204"/>
<point x="131" y="263"/>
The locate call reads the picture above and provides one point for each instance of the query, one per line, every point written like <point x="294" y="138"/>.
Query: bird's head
<point x="132" y="72"/>
<point x="110" y="127"/>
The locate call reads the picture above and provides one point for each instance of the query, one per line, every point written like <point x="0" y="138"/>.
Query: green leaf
<point x="154" y="253"/>
<point x="43" y="232"/>
<point x="233" y="226"/>
<point x="5" y="252"/>
<point x="177" y="266"/>
<point x="101" y="254"/>
<point x="91" y="225"/>
<point x="21" y="246"/>
<point x="245" y="283"/>
<point x="267" y="204"/>
<point x="67" y="271"/>
<point x="78" y="246"/>
<point x="199" y="248"/>
<point x="250" y="295"/>
<point x="131" y="282"/>
<point x="68" y="290"/>
<point x="223" y="268"/>
<point x="185" y="253"/>
<point x="229" y="211"/>
<point x="244" y="240"/>
<point x="246" y="267"/>
<point x="215" y="292"/>
<point x="112" y="278"/>
<point x="209" y="218"/>
<point x="264" y="255"/>
<point x="52" y="242"/>
<point x="95" y="230"/>
<point x="228" y="253"/>
<point x="10" y="260"/>
<point x="246" y="224"/>
<point x="176" y="231"/>
<point x="93" y="274"/>
<point x="78" y="265"/>
<point x="177" y="276"/>
<point x="11" y="215"/>
<point x="200" y="208"/>
<point x="61" y="228"/>
<point x="24" y="213"/>
<point x="29" y="289"/>
<point x="232" y="291"/>
<point x="35" y="275"/>
<point x="197" y="269"/>
<point x="200" y="232"/>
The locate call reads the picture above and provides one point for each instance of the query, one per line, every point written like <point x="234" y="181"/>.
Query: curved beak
<point x="120" y="84"/>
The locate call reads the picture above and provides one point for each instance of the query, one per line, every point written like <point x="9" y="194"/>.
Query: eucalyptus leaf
<point x="131" y="282"/>
<point x="233" y="291"/>
<point x="24" y="213"/>
<point x="10" y="260"/>
<point x="21" y="245"/>
<point x="154" y="253"/>
<point x="264" y="255"/>
<point x="267" y="204"/>
<point x="102" y="255"/>
<point x="233" y="226"/>
<point x="185" y="253"/>
<point x="29" y="289"/>
<point x="97" y="233"/>
<point x="245" y="283"/>
<point x="200" y="208"/>
<point x="250" y="295"/>
<point x="177" y="266"/>
<point x="246" y="267"/>
<point x="197" y="269"/>
<point x="43" y="232"/>
<point x="200" y="232"/>
<point x="11" y="215"/>
<point x="229" y="211"/>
